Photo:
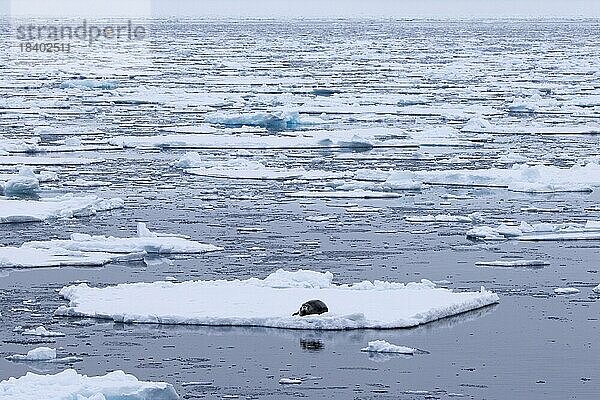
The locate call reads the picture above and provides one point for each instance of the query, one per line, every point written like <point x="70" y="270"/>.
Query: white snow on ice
<point x="271" y="301"/>
<point x="381" y="346"/>
<point x="70" y="385"/>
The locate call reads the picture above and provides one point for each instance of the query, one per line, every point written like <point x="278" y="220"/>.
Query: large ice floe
<point x="538" y="232"/>
<point x="270" y="302"/>
<point x="66" y="206"/>
<point x="358" y="139"/>
<point x="520" y="178"/>
<point x="86" y="250"/>
<point x="69" y="385"/>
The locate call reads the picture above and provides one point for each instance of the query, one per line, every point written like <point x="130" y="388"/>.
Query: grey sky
<point x="307" y="8"/>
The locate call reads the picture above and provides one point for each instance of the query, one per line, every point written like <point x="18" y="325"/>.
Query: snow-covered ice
<point x="71" y="385"/>
<point x="65" y="206"/>
<point x="538" y="231"/>
<point x="566" y="290"/>
<point x="146" y="241"/>
<point x="37" y="354"/>
<point x="270" y="302"/>
<point x="29" y="257"/>
<point x="381" y="346"/>
<point x="42" y="332"/>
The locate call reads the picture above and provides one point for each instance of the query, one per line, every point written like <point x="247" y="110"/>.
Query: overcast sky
<point x="304" y="8"/>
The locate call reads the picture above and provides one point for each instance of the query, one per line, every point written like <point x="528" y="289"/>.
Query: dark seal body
<point x="312" y="307"/>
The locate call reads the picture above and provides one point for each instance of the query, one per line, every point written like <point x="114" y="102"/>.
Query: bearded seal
<point x="311" y="307"/>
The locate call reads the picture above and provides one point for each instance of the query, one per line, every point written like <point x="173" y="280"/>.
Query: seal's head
<point x="312" y="307"/>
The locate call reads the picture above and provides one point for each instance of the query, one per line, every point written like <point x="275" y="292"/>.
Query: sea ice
<point x="42" y="332"/>
<point x="514" y="263"/>
<point x="66" y="206"/>
<point x="70" y="385"/>
<point x="340" y="194"/>
<point x="596" y="289"/>
<point x="567" y="290"/>
<point x="270" y="302"/>
<point x="381" y="346"/>
<point x="146" y="241"/>
<point x="538" y="232"/>
<point x="28" y="257"/>
<point x="37" y="354"/>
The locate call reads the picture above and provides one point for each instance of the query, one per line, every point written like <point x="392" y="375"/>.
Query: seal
<point x="311" y="307"/>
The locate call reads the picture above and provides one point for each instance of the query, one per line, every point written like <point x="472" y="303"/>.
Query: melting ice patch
<point x="381" y="346"/>
<point x="66" y="206"/>
<point x="71" y="385"/>
<point x="270" y="302"/>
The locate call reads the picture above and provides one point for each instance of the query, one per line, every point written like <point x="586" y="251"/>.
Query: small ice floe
<point x="146" y="241"/>
<point x="45" y="160"/>
<point x="275" y="120"/>
<point x="541" y="209"/>
<point x="381" y="346"/>
<point x="42" y="332"/>
<point x="89" y="84"/>
<point x="566" y="290"/>
<point x="321" y="218"/>
<point x="513" y="263"/>
<point x="439" y="218"/>
<point x="270" y="302"/>
<point x="70" y="385"/>
<point x="66" y="206"/>
<point x="290" y="381"/>
<point x="37" y="354"/>
<point x="597" y="289"/>
<point x="86" y="184"/>
<point x="352" y="194"/>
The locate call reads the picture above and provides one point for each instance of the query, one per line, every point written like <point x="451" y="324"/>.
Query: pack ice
<point x="538" y="232"/>
<point x="270" y="302"/>
<point x="70" y="385"/>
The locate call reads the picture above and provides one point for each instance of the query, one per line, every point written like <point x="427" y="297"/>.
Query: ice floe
<point x="41" y="331"/>
<point x="270" y="302"/>
<point x="596" y="289"/>
<point x="66" y="206"/>
<point x="440" y="218"/>
<point x="71" y="385"/>
<point x="37" y="354"/>
<point x="89" y="84"/>
<point x="381" y="346"/>
<point x="277" y="120"/>
<point x="43" y="160"/>
<point x="341" y="194"/>
<point x="25" y="183"/>
<point x="513" y="263"/>
<point x="358" y="139"/>
<point x="566" y="290"/>
<point x="538" y="232"/>
<point x="28" y="257"/>
<point x="146" y="241"/>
